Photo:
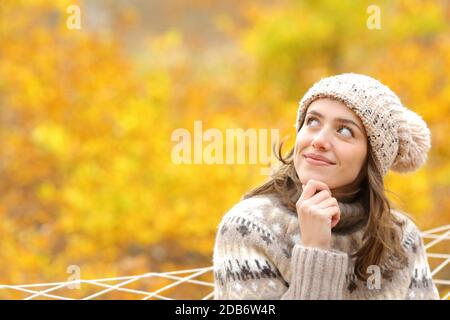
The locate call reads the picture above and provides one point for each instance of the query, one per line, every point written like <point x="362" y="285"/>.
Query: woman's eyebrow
<point x="341" y="120"/>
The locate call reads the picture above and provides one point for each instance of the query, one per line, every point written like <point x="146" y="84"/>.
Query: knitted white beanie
<point x="399" y="138"/>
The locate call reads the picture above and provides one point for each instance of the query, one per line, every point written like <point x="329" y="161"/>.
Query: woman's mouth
<point x="317" y="162"/>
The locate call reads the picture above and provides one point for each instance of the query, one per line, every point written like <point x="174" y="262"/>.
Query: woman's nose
<point x="321" y="140"/>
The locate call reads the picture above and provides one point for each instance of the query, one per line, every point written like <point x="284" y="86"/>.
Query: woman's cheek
<point x="301" y="140"/>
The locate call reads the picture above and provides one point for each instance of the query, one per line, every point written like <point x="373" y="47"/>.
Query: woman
<point x="322" y="227"/>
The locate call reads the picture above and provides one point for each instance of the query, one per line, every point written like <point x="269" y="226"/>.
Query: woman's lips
<point x="317" y="162"/>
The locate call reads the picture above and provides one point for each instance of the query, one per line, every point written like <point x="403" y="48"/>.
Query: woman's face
<point x="334" y="132"/>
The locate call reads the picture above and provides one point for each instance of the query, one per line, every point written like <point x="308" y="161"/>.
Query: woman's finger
<point x="320" y="185"/>
<point x="327" y="202"/>
<point x="311" y="188"/>
<point x="320" y="197"/>
<point x="332" y="214"/>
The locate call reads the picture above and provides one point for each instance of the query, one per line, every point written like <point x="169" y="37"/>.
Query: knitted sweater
<point x="258" y="254"/>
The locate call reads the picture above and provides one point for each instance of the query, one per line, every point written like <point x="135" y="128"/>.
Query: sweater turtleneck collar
<point x="351" y="204"/>
<point x="353" y="214"/>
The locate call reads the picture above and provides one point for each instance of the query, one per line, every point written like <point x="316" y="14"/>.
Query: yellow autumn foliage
<point x="87" y="116"/>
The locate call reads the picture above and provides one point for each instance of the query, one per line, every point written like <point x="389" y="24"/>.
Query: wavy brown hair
<point x="381" y="243"/>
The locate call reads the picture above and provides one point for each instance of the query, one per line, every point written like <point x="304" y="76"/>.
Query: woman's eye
<point x="308" y="122"/>
<point x="348" y="131"/>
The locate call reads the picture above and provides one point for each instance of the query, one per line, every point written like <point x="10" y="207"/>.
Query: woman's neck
<point x="350" y="192"/>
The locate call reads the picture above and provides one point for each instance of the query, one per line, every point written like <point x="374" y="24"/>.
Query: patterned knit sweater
<point x="258" y="254"/>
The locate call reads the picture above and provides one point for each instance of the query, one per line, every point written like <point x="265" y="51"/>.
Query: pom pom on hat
<point x="413" y="149"/>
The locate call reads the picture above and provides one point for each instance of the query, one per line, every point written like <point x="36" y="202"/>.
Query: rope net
<point x="199" y="281"/>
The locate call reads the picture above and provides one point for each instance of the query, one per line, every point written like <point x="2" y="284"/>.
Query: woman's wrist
<point x="323" y="246"/>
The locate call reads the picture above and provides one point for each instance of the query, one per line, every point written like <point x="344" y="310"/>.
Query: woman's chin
<point x="304" y="178"/>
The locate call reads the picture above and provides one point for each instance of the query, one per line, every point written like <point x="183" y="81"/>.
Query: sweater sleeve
<point x="248" y="258"/>
<point x="421" y="286"/>
<point x="316" y="274"/>
<point x="243" y="263"/>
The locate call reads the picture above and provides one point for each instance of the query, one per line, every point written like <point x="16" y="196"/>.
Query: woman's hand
<point x="318" y="212"/>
